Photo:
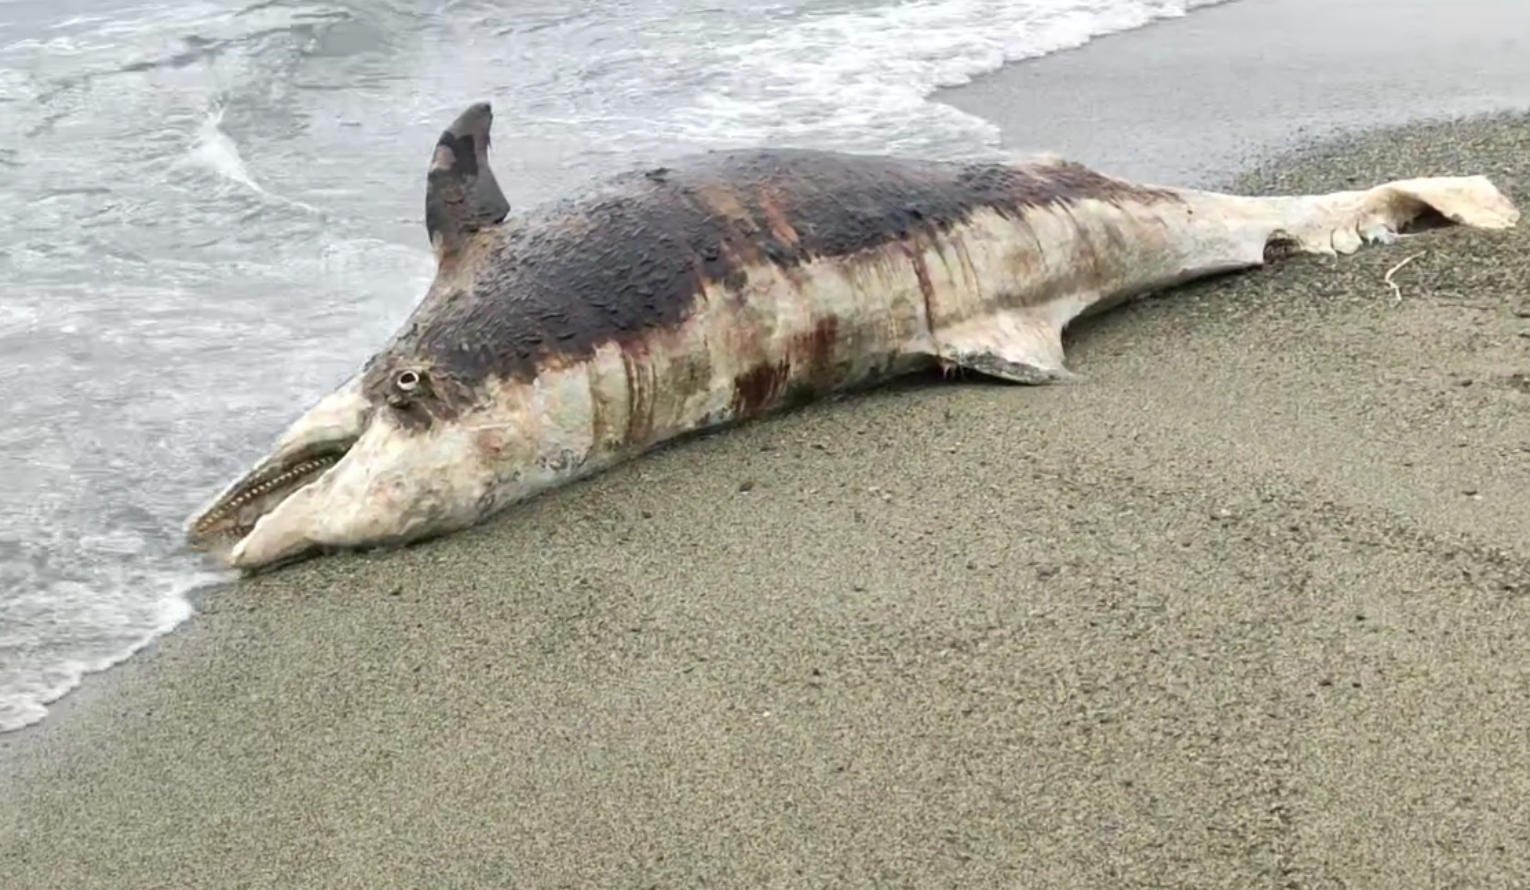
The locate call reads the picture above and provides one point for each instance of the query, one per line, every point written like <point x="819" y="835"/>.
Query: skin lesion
<point x="490" y="442"/>
<point x="758" y="389"/>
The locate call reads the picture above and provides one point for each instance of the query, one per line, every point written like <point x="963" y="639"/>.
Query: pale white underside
<point x="998" y="286"/>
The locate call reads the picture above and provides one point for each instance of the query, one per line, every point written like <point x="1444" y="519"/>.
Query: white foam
<point x="861" y="80"/>
<point x="27" y="703"/>
<point x="215" y="150"/>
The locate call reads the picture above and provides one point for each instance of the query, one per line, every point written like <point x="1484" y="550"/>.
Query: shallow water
<point x="212" y="214"/>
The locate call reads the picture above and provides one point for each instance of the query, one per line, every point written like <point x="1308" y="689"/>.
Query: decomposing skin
<point x="558" y="341"/>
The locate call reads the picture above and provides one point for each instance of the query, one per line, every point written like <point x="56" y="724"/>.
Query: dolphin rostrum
<point x="558" y="341"/>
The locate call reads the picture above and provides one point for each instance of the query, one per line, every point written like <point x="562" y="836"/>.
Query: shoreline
<point x="1097" y="673"/>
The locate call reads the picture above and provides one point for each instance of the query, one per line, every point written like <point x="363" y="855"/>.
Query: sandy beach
<point x="1245" y="607"/>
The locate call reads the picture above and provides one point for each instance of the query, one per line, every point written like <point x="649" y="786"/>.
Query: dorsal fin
<point x="461" y="196"/>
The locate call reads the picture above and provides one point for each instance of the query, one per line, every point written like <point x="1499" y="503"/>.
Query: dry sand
<point x="1247" y="607"/>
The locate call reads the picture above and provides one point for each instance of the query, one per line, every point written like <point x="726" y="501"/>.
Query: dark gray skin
<point x="634" y="253"/>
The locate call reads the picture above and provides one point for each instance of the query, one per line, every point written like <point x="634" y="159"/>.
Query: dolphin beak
<point x="304" y="454"/>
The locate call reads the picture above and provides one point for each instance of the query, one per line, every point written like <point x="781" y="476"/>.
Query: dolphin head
<point x="405" y="449"/>
<point x="396" y="454"/>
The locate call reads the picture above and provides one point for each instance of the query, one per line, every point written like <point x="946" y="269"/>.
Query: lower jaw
<point x="268" y="556"/>
<point x="271" y="565"/>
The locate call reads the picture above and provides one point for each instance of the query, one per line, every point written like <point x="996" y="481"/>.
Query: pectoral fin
<point x="1012" y="346"/>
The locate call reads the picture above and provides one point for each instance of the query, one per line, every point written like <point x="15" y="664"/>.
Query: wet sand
<point x="1198" y="98"/>
<point x="1246" y="607"/>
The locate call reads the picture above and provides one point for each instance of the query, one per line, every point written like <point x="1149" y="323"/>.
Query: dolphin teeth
<point x="261" y="487"/>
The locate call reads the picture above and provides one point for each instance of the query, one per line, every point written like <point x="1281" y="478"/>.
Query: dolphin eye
<point x="407" y="381"/>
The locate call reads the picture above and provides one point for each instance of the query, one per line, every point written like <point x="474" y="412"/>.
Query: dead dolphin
<point x="559" y="341"/>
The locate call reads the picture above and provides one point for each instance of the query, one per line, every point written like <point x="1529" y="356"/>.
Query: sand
<point x="1246" y="607"/>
